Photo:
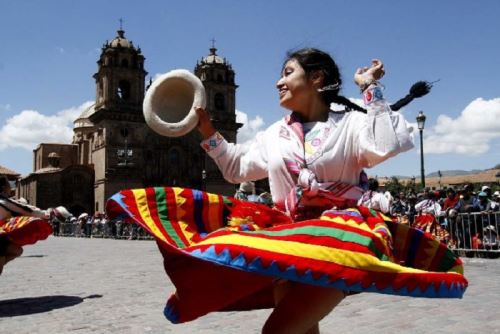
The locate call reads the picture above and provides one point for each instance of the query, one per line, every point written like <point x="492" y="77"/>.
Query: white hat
<point x="483" y="188"/>
<point x="496" y="194"/>
<point x="61" y="213"/>
<point x="170" y="101"/>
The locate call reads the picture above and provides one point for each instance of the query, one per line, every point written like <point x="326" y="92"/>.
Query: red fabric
<point x="230" y="289"/>
<point x="25" y="231"/>
<point x="450" y="203"/>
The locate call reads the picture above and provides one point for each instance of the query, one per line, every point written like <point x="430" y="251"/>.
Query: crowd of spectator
<point x="247" y="192"/>
<point x="99" y="226"/>
<point x="463" y="218"/>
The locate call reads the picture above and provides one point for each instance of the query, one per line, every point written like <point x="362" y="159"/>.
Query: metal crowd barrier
<point x="109" y="230"/>
<point x="475" y="234"/>
<point x="469" y="234"/>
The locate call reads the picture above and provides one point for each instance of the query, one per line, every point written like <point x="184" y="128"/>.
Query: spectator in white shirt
<point x="374" y="199"/>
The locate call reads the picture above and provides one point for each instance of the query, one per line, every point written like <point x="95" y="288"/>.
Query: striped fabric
<point x="428" y="223"/>
<point x="224" y="254"/>
<point x="25" y="230"/>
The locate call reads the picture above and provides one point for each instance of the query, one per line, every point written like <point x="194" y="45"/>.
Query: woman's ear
<point x="317" y="78"/>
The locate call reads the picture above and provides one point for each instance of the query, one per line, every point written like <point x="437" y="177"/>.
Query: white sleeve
<point x="238" y="163"/>
<point x="438" y="210"/>
<point x="418" y="206"/>
<point x="13" y="208"/>
<point x="384" y="203"/>
<point x="385" y="133"/>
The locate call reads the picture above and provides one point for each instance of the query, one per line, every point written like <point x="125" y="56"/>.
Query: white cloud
<point x="471" y="133"/>
<point x="250" y="129"/>
<point x="29" y="128"/>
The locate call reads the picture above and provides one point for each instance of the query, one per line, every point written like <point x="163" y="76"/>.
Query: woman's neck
<point x="315" y="111"/>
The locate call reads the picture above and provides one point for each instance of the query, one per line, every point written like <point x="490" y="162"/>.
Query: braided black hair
<point x="418" y="89"/>
<point x="312" y="60"/>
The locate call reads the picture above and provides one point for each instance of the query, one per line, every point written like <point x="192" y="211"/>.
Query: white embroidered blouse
<point x="348" y="142"/>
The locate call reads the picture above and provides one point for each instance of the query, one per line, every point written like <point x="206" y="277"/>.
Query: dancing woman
<point x="22" y="224"/>
<point x="315" y="247"/>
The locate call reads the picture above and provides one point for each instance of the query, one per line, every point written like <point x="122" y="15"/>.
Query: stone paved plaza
<point x="70" y="285"/>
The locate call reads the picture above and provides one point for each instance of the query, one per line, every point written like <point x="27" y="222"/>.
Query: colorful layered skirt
<point x="23" y="231"/>
<point x="428" y="223"/>
<point x="224" y="254"/>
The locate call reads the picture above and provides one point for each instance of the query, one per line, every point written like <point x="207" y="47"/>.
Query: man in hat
<point x="495" y="202"/>
<point x="484" y="203"/>
<point x="467" y="202"/>
<point x="487" y="190"/>
<point x="400" y="205"/>
<point x="246" y="192"/>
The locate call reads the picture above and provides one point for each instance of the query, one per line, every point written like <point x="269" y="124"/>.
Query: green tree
<point x="394" y="186"/>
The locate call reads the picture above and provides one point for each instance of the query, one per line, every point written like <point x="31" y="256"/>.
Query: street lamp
<point x="421" y="123"/>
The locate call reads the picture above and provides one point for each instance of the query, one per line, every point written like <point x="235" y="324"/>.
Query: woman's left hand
<point x="367" y="75"/>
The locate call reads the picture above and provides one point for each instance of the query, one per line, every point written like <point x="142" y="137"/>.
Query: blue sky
<point x="50" y="48"/>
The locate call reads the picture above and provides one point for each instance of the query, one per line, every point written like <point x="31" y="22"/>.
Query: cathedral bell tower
<point x="120" y="76"/>
<point x="217" y="76"/>
<point x="118" y="123"/>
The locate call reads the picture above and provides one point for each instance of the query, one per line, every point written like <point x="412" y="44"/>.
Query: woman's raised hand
<point x="366" y="75"/>
<point x="205" y="125"/>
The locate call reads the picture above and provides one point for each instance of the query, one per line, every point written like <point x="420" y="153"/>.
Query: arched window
<point x="77" y="180"/>
<point x="124" y="132"/>
<point x="220" y="78"/>
<point x="123" y="90"/>
<point x="219" y="101"/>
<point x="124" y="63"/>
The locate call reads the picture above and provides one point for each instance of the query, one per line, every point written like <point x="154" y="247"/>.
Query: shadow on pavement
<point x="26" y="306"/>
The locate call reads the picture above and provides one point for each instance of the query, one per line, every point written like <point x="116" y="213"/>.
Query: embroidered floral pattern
<point x="212" y="143"/>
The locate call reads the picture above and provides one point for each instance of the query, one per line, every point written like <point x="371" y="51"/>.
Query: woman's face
<point x="294" y="87"/>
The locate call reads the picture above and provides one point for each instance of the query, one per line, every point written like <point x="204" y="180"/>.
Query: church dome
<point x="213" y="58"/>
<point x="83" y="120"/>
<point x="120" y="41"/>
<point x="54" y="155"/>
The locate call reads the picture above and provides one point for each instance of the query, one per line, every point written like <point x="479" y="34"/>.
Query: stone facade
<point x="51" y="185"/>
<point x="114" y="145"/>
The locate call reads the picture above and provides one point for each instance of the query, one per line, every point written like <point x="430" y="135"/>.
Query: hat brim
<point x="170" y="101"/>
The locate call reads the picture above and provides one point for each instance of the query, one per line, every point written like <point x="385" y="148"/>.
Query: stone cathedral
<point x="114" y="149"/>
